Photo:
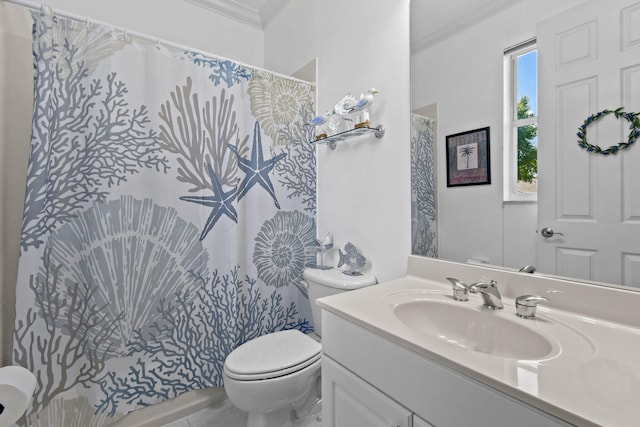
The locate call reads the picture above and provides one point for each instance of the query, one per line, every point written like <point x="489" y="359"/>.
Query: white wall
<point x="176" y="21"/>
<point x="16" y="99"/>
<point x="364" y="184"/>
<point x="464" y="75"/>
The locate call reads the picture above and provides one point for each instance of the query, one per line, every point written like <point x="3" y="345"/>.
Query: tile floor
<point x="222" y="414"/>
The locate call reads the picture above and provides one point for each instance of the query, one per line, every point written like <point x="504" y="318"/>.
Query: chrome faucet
<point x="460" y="289"/>
<point x="528" y="269"/>
<point x="489" y="292"/>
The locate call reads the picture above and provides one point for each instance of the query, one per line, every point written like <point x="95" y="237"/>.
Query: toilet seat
<point x="273" y="355"/>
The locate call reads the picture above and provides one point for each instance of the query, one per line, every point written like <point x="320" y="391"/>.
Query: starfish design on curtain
<point x="221" y="203"/>
<point x="256" y="168"/>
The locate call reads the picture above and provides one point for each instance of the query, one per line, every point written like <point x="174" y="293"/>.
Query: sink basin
<point x="481" y="330"/>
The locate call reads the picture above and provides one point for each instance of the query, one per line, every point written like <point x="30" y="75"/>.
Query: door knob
<point x="548" y="232"/>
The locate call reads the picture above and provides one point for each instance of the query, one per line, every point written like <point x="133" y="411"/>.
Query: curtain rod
<point x="36" y="6"/>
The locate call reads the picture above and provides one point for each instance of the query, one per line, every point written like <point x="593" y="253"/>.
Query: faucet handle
<point x="526" y="305"/>
<point x="460" y="289"/>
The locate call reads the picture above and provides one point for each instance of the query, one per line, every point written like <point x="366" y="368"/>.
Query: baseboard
<point x="172" y="409"/>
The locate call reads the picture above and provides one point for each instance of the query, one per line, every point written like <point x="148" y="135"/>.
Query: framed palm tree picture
<point x="468" y="159"/>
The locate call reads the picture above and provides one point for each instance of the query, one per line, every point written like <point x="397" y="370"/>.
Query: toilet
<point x="276" y="377"/>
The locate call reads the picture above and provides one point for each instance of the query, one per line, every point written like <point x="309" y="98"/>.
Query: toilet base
<point x="281" y="417"/>
<point x="308" y="414"/>
<point x="278" y="402"/>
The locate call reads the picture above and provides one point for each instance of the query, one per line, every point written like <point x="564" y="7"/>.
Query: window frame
<point x="512" y="123"/>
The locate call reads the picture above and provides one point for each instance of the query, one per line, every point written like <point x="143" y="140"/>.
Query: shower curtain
<point x="169" y="213"/>
<point x="423" y="188"/>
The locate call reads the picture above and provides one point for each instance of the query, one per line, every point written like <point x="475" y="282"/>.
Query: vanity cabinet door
<point x="348" y="401"/>
<point x="419" y="422"/>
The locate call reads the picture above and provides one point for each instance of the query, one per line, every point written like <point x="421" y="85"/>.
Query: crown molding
<point x="473" y="17"/>
<point x="271" y="9"/>
<point x="231" y="9"/>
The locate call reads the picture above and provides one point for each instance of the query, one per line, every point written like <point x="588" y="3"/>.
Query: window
<point x="521" y="122"/>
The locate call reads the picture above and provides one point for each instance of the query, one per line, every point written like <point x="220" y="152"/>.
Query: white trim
<point x="256" y="18"/>
<point x="520" y="46"/>
<point x="174" y="409"/>
<point x="511" y="124"/>
<point x="270" y="10"/>
<point x="473" y="16"/>
<point x="231" y="9"/>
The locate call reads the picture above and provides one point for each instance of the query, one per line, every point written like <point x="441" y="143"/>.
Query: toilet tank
<point x="322" y="283"/>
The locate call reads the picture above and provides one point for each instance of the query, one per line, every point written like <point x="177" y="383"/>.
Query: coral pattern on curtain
<point x="423" y="188"/>
<point x="169" y="214"/>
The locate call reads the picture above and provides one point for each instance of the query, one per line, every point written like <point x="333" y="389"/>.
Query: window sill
<point x="519" y="201"/>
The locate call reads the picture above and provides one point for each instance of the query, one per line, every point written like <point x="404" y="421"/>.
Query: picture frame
<point x="468" y="158"/>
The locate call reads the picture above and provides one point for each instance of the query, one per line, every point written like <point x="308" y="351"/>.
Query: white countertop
<point x="592" y="376"/>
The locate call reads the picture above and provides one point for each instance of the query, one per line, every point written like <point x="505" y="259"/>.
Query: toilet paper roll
<point x="16" y="389"/>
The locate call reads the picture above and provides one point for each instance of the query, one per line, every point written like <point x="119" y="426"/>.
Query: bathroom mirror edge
<point x="419" y="99"/>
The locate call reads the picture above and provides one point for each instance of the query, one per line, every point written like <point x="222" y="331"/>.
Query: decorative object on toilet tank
<point x="323" y="247"/>
<point x="352" y="259"/>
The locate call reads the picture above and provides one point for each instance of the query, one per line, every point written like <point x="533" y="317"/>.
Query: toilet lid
<point x="272" y="355"/>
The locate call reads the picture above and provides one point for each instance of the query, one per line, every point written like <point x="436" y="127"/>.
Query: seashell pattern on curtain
<point x="169" y="213"/>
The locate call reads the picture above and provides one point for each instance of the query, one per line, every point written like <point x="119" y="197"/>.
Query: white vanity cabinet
<point x="348" y="401"/>
<point x="368" y="380"/>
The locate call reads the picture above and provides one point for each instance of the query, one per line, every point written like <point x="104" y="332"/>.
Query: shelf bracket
<point x="332" y="141"/>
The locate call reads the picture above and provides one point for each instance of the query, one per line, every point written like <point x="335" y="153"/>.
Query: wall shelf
<point x="332" y="140"/>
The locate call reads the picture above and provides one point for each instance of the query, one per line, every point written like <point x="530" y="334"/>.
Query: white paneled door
<point x="589" y="204"/>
